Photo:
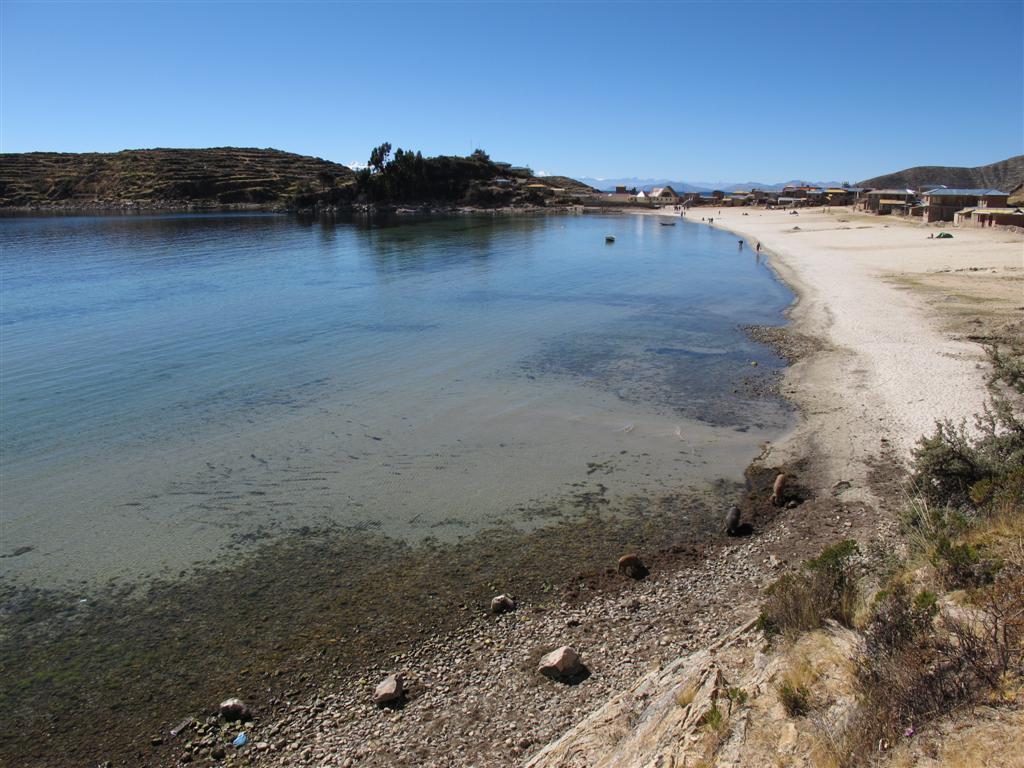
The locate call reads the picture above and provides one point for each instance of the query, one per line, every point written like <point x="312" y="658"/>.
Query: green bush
<point x="960" y="565"/>
<point x="950" y="463"/>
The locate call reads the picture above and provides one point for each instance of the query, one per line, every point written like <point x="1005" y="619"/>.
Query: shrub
<point x="713" y="718"/>
<point x="737" y="695"/>
<point x="948" y="464"/>
<point x="896" y="621"/>
<point x="960" y="565"/>
<point x="794" y="688"/>
<point x="825" y="590"/>
<point x="1007" y="368"/>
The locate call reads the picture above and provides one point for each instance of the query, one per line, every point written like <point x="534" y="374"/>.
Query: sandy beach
<point x="895" y="359"/>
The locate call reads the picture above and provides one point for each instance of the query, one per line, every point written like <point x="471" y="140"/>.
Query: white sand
<point x="892" y="372"/>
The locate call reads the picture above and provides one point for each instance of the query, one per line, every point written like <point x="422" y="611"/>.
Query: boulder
<point x="389" y="690"/>
<point x="234" y="709"/>
<point x="503" y="604"/>
<point x="562" y="663"/>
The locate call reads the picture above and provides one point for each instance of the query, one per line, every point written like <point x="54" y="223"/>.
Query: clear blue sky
<point x="694" y="91"/>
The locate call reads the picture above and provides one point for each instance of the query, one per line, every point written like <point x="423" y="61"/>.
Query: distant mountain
<point x="222" y="176"/>
<point x="1005" y="175"/>
<point x="608" y="185"/>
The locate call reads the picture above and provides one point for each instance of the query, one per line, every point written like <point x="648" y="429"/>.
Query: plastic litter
<point x="241" y="740"/>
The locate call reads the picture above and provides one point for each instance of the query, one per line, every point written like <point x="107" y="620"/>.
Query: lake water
<point x="173" y="385"/>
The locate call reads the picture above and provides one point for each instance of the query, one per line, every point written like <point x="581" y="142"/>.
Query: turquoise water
<point x="171" y="384"/>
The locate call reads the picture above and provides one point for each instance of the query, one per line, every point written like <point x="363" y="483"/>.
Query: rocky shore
<point x="476" y="697"/>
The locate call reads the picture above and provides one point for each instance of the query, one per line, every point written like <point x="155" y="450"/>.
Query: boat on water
<point x="668" y="223"/>
<point x="609" y="238"/>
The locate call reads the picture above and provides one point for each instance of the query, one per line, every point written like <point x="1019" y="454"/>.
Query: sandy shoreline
<point x="888" y="371"/>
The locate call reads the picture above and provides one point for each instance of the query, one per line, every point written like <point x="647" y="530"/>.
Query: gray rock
<point x="234" y="709"/>
<point x="562" y="663"/>
<point x="389" y="690"/>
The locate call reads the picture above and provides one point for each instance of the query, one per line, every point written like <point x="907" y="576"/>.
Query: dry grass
<point x="794" y="688"/>
<point x="684" y="696"/>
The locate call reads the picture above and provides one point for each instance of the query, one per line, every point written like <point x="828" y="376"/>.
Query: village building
<point x="942" y="204"/>
<point x="886" y="201"/>
<point x="663" y="196"/>
<point x="839" y="196"/>
<point x="798" y="191"/>
<point x="989" y="217"/>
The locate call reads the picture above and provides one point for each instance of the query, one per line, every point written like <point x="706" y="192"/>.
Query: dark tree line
<point x="407" y="176"/>
<point x="404" y="176"/>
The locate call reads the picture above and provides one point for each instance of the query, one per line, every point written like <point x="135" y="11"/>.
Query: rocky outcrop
<point x="716" y="707"/>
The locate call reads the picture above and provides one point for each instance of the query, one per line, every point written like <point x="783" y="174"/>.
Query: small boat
<point x="609" y="238"/>
<point x="668" y="223"/>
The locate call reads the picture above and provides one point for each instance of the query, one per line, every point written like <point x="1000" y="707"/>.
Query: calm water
<point x="173" y="384"/>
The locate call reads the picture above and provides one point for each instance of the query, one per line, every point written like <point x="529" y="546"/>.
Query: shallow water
<point x="175" y="385"/>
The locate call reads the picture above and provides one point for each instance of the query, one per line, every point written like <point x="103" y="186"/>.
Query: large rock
<point x="503" y="604"/>
<point x="389" y="690"/>
<point x="234" y="709"/>
<point x="562" y="664"/>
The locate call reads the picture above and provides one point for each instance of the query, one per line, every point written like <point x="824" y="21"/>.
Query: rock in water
<point x="234" y="709"/>
<point x="562" y="663"/>
<point x="389" y="690"/>
<point x="503" y="604"/>
<point x="631" y="566"/>
<point x="732" y="521"/>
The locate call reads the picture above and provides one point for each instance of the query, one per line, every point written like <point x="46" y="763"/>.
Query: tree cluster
<point x="408" y="177"/>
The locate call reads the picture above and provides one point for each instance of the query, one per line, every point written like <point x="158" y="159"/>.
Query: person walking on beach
<point x="741" y="244"/>
<point x="758" y="247"/>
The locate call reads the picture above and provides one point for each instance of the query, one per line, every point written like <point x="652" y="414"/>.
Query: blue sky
<point x="694" y="91"/>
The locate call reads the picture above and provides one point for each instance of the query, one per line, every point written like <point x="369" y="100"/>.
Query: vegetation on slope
<point x="162" y="178"/>
<point x="404" y="177"/>
<point x="947" y="629"/>
<point x="268" y="178"/>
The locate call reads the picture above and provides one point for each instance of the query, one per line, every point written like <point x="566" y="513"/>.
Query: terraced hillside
<point x="163" y="178"/>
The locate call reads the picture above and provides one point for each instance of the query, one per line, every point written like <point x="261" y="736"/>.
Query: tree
<point x="379" y="157"/>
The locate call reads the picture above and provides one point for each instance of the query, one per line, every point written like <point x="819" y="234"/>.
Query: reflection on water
<point x="171" y="384"/>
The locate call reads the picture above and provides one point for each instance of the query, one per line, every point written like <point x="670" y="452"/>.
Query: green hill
<point x="163" y="178"/>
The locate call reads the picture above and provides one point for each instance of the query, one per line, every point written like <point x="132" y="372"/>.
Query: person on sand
<point x="741" y="244"/>
<point x="757" y="247"/>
